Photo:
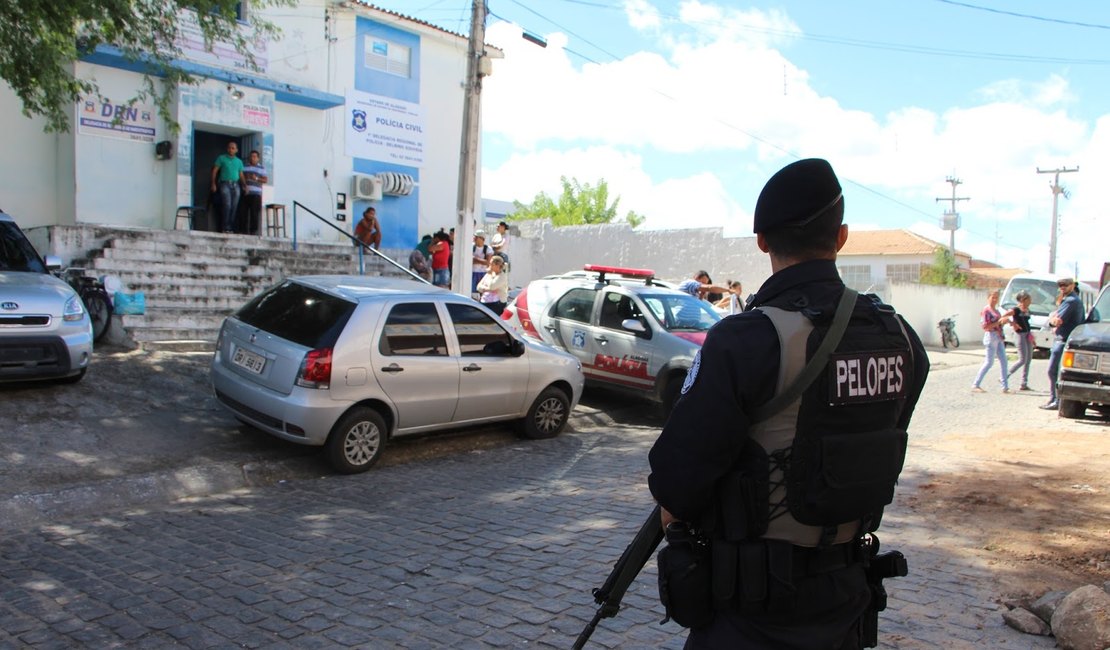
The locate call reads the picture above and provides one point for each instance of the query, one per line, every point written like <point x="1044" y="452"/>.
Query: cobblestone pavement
<point x="492" y="548"/>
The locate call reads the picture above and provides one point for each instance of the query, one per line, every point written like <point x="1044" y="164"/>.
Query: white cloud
<point x="716" y="85"/>
<point x="642" y="15"/>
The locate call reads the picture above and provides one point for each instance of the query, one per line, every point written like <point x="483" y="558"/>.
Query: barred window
<point x="904" y="272"/>
<point x="856" y="276"/>
<point x="388" y="56"/>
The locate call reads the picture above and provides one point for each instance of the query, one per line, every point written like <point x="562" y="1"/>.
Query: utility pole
<point x="1057" y="190"/>
<point x="476" y="68"/>
<point x="951" y="219"/>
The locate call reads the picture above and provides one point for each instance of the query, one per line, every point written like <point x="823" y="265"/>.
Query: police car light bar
<point x="648" y="274"/>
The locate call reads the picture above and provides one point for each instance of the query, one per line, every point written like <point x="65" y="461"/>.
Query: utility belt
<point x="699" y="576"/>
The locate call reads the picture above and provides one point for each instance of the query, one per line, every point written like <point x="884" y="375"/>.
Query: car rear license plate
<point x="249" y="360"/>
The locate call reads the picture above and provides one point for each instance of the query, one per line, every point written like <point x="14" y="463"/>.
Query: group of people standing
<point x="726" y="298"/>
<point x="1068" y="315"/>
<point x="433" y="256"/>
<point x="234" y="183"/>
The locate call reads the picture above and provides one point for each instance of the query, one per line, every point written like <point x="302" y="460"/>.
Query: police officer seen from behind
<point x="779" y="497"/>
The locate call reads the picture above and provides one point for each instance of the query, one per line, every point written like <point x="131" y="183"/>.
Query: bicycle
<point x="94" y="295"/>
<point x="947" y="329"/>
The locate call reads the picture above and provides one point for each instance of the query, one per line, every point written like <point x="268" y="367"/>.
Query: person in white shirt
<point x="500" y="242"/>
<point x="493" y="288"/>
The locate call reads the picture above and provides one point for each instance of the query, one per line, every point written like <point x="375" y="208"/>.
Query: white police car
<point x="628" y="329"/>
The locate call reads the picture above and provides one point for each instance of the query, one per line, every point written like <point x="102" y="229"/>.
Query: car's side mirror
<point x="634" y="325"/>
<point x="518" y="347"/>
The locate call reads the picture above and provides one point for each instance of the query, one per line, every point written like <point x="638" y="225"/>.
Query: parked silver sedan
<point x="348" y="362"/>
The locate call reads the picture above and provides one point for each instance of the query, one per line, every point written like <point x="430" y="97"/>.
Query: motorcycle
<point x="947" y="329"/>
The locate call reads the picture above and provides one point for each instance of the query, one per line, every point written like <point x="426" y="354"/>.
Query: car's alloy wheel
<point x="356" y="441"/>
<point x="547" y="416"/>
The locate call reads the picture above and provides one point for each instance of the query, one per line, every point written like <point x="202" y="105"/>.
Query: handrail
<point x="361" y="247"/>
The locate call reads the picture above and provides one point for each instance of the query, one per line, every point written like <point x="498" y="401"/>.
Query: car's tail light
<point x="315" y="370"/>
<point x="522" y="314"/>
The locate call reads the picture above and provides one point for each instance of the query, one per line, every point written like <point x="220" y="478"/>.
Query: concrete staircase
<point x="191" y="280"/>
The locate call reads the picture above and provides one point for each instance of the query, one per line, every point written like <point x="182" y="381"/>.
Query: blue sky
<point x="686" y="108"/>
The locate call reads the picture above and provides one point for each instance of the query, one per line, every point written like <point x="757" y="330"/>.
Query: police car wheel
<point x="547" y="416"/>
<point x="356" y="441"/>
<point x="671" y="392"/>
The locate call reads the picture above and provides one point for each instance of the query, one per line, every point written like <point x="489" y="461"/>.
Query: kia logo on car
<point x="10" y="306"/>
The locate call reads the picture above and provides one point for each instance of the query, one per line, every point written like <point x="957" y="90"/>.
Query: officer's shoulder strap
<point x="816" y="364"/>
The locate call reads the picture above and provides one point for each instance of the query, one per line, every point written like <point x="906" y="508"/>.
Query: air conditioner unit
<point x="367" y="187"/>
<point x="397" y="184"/>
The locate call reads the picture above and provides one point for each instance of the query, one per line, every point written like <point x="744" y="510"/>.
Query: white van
<point x="1043" y="288"/>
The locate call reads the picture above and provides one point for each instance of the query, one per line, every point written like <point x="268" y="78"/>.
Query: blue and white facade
<point x="346" y="90"/>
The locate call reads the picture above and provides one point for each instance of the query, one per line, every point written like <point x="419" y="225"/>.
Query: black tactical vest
<point x="821" y="470"/>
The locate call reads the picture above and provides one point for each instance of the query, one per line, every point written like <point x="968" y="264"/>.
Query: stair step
<point x="192" y="280"/>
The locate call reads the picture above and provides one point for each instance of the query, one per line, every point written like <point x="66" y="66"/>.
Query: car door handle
<point x="601" y="339"/>
<point x="392" y="368"/>
<point x="472" y="368"/>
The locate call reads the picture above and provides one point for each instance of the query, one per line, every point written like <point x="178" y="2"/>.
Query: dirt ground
<point x="1036" y="508"/>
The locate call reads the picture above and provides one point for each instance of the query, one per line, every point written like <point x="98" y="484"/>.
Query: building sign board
<point x="385" y="129"/>
<point x="103" y="118"/>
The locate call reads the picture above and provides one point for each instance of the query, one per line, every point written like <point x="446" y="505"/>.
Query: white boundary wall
<point x="924" y="305"/>
<point x="541" y="249"/>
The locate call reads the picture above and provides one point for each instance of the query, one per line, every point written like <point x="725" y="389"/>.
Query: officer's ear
<point x="841" y="236"/>
<point x="761" y="242"/>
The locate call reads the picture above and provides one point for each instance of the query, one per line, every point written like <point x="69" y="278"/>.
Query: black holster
<point x="686" y="577"/>
<point x="878" y="566"/>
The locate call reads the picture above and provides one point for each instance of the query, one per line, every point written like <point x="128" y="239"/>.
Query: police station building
<point x="350" y="106"/>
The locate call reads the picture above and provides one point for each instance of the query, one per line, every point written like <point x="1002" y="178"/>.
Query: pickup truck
<point x="1084" y="378"/>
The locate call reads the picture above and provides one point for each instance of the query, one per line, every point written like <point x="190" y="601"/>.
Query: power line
<point x="1046" y="19"/>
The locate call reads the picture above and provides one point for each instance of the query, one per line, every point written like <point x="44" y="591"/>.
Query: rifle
<point x="609" y="594"/>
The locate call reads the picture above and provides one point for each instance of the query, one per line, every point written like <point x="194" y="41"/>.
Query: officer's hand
<point x="666" y="518"/>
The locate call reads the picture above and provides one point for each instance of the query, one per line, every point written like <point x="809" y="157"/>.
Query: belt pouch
<point x="753" y="573"/>
<point x="686" y="583"/>
<point x="725" y="569"/>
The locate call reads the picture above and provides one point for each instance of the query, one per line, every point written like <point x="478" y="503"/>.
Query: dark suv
<point x="45" y="332"/>
<point x="1085" y="367"/>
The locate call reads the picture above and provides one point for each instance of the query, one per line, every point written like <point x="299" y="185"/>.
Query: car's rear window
<point x="16" y="253"/>
<point x="299" y="314"/>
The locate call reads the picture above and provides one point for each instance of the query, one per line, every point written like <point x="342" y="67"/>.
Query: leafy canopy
<point x="944" y="270"/>
<point x="40" y="40"/>
<point x="578" y="204"/>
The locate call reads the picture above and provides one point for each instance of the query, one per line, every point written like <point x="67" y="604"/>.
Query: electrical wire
<point x="1046" y="19"/>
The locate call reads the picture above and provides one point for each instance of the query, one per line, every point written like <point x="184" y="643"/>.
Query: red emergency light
<point x="648" y="274"/>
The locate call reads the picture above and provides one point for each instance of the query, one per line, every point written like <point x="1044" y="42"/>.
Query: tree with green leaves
<point x="579" y="204"/>
<point x="944" y="270"/>
<point x="41" y="39"/>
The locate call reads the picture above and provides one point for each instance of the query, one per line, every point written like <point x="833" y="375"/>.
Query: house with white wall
<point x="871" y="259"/>
<point x="347" y="92"/>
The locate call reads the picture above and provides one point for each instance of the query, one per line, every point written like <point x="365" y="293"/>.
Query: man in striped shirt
<point x="255" y="175"/>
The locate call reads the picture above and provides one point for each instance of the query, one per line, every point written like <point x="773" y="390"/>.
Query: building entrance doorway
<point x="209" y="141"/>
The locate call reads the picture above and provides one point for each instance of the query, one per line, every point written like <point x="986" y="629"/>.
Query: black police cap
<point x="796" y="195"/>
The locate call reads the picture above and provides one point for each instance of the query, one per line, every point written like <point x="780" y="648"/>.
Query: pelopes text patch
<point x="868" y="376"/>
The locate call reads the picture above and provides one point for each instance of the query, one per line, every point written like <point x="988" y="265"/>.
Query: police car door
<point x="569" y="324"/>
<point x="620" y="355"/>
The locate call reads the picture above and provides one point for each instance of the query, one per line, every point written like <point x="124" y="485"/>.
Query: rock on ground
<point x="1026" y="621"/>
<point x="1082" y="620"/>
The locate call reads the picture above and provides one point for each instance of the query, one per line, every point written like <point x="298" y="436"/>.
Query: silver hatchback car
<point x="45" y="331"/>
<point x="348" y="362"/>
